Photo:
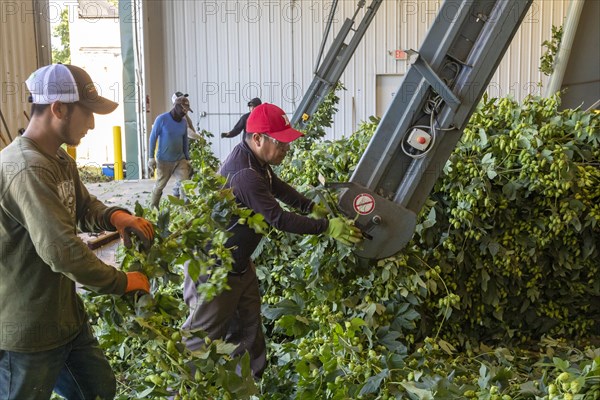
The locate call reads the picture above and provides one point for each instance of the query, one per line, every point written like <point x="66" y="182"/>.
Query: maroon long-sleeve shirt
<point x="256" y="187"/>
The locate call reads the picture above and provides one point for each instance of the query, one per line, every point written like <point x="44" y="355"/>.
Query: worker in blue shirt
<point x="172" y="157"/>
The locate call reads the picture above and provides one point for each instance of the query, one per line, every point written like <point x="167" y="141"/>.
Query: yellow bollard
<point x="72" y="151"/>
<point x="118" y="153"/>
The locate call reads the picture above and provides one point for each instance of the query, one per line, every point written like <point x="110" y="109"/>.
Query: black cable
<point x="327" y="29"/>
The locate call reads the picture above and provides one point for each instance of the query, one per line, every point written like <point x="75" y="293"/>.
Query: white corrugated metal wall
<point x="224" y="52"/>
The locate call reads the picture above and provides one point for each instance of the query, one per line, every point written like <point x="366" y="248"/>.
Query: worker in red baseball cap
<point x="236" y="312"/>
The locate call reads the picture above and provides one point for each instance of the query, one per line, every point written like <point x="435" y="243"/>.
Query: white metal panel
<point x="518" y="74"/>
<point x="224" y="52"/>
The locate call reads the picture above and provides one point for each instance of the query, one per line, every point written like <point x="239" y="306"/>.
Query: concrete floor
<point x="126" y="193"/>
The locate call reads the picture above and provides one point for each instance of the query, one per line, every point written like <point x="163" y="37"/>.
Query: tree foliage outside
<point x="62" y="54"/>
<point x="92" y="174"/>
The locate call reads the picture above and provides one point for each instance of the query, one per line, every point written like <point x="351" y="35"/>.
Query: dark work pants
<point x="233" y="315"/>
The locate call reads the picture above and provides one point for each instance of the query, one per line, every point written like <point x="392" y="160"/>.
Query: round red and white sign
<point x="364" y="204"/>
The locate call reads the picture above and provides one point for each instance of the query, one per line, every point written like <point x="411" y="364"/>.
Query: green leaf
<point x="487" y="159"/>
<point x="447" y="347"/>
<point x="385" y="274"/>
<point x="483" y="137"/>
<point x="524" y="143"/>
<point x="370" y="310"/>
<point x="357" y="323"/>
<point x="224" y="347"/>
<point x="431" y="218"/>
<point x="493" y="248"/>
<point x="373" y="384"/>
<point x="295" y="326"/>
<point x="484" y="377"/>
<point x="193" y="269"/>
<point x="421" y="394"/>
<point x="529" y="387"/>
<point x="576" y="224"/>
<point x="485" y="278"/>
<point x="284" y="307"/>
<point x="139" y="210"/>
<point x="509" y="190"/>
<point x="245" y="363"/>
<point x="491" y="173"/>
<point x="145" y="393"/>
<point x="389" y="340"/>
<point x="561" y="365"/>
<point x="176" y="200"/>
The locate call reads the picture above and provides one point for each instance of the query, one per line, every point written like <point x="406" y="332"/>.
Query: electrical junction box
<point x="419" y="139"/>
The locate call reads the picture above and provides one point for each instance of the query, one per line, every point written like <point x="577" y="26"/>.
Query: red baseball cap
<point x="272" y="120"/>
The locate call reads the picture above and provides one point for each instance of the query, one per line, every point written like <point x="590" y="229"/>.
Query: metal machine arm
<point x="417" y="134"/>
<point x="334" y="64"/>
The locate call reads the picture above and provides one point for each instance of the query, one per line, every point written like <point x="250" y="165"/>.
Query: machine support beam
<point x="436" y="82"/>
<point x="334" y="64"/>
<point x="419" y="131"/>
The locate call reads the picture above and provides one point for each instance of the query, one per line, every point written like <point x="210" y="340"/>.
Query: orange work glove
<point x="137" y="281"/>
<point x="127" y="224"/>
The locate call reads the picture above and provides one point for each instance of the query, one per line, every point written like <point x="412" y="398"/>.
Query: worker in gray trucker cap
<point x="46" y="343"/>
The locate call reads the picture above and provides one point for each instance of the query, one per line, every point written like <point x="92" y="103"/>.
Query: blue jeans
<point x="76" y="370"/>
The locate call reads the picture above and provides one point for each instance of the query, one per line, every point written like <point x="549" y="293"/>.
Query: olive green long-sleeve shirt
<point x="42" y="203"/>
